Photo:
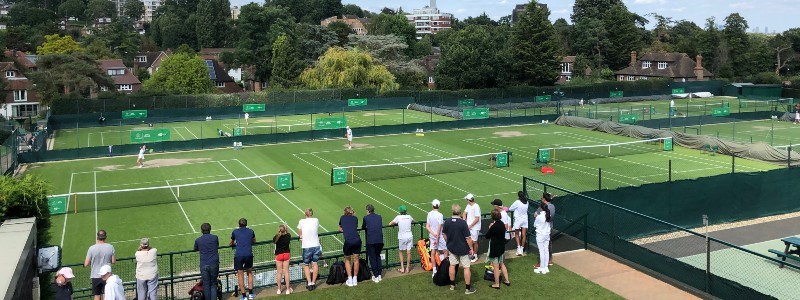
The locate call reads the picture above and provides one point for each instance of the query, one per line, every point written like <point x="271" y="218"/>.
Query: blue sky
<point x="777" y="15"/>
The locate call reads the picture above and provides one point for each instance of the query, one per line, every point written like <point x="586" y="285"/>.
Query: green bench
<point x="787" y="252"/>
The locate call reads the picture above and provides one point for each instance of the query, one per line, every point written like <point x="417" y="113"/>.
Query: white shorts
<point x="473" y="234"/>
<point x="350" y="139"/>
<point x="441" y="244"/>
<point x="141" y="156"/>
<point x="406" y="244"/>
<point x="520" y="223"/>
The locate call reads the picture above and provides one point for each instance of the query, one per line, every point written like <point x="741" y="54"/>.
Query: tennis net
<point x="562" y="154"/>
<point x="174" y="193"/>
<point x="352" y="174"/>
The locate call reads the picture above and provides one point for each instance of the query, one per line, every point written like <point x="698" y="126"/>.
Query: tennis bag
<point x="336" y="274"/>
<point x="363" y="270"/>
<point x="424" y="254"/>
<point x="442" y="276"/>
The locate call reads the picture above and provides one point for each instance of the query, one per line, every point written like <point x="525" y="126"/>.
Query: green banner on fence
<point x="628" y="118"/>
<point x="544" y="98"/>
<point x="357" y="102"/>
<point x="721" y="111"/>
<point x="151" y="135"/>
<point x="284" y="182"/>
<point x="678" y="91"/>
<point x="57" y="205"/>
<point x="615" y="94"/>
<point x="238" y="131"/>
<point x="134" y="114"/>
<point x="338" y="176"/>
<point x="543" y="156"/>
<point x="475" y="113"/>
<point x="466" y="102"/>
<point x="330" y="123"/>
<point x="254" y="107"/>
<point x="668" y="145"/>
<point x="502" y="160"/>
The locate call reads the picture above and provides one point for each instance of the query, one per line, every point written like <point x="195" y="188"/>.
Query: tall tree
<point x="342" y="31"/>
<point x="352" y="9"/>
<point x="133" y="9"/>
<point x="285" y="64"/>
<point x="533" y="48"/>
<point x="472" y="58"/>
<point x="68" y="73"/>
<point x="56" y="44"/>
<point x="709" y="42"/>
<point x="175" y="24"/>
<point x="562" y="35"/>
<point x="313" y="40"/>
<point x="121" y="38"/>
<point x="623" y="36"/>
<point x="26" y="197"/>
<point x="259" y="27"/>
<point x="73" y="9"/>
<point x="591" y="9"/>
<point x="181" y="73"/>
<point x="212" y="27"/>
<point x="661" y="33"/>
<point x="735" y="34"/>
<point x="686" y="37"/>
<point x="96" y="9"/>
<point x="339" y="68"/>
<point x="396" y="24"/>
<point x="390" y="51"/>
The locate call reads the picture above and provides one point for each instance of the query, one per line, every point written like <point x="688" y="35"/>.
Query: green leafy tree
<point x="781" y="46"/>
<point x="533" y="48"/>
<point x="121" y="38"/>
<point x="339" y="68"/>
<point x="735" y="35"/>
<point x="396" y="24"/>
<point x="352" y="9"/>
<point x="98" y="49"/>
<point x="584" y="10"/>
<point x="562" y="34"/>
<point x="181" y="73"/>
<point x="309" y="11"/>
<point x="212" y="28"/>
<point x="68" y="73"/>
<point x="259" y="27"/>
<point x="285" y="64"/>
<point x="73" y="8"/>
<point x="623" y="36"/>
<point x="686" y="37"/>
<point x="100" y="9"/>
<point x="133" y="9"/>
<point x="56" y="44"/>
<point x="482" y="19"/>
<point x="313" y="40"/>
<point x="389" y="51"/>
<point x="472" y="58"/>
<point x="26" y="197"/>
<point x="186" y="49"/>
<point x="342" y="31"/>
<point x="710" y="40"/>
<point x="175" y="24"/>
<point x="424" y="47"/>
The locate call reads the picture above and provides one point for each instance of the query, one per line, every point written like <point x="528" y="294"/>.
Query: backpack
<point x="363" y="271"/>
<point x="442" y="276"/>
<point x="488" y="274"/>
<point x="336" y="274"/>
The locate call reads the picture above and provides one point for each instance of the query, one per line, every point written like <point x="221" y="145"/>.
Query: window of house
<point x="20" y="95"/>
<point x="104" y="89"/>
<point x="220" y="84"/>
<point x="565" y="68"/>
<point x="569" y="77"/>
<point x="116" y="72"/>
<point x="124" y="87"/>
<point x="662" y="65"/>
<point x="621" y="77"/>
<point x="25" y="110"/>
<point x="141" y="59"/>
<point x="430" y="79"/>
<point x="646" y="64"/>
<point x="642" y="77"/>
<point x="631" y="78"/>
<point x="10" y="74"/>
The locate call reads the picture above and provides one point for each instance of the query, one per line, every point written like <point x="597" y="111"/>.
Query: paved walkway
<point x="617" y="277"/>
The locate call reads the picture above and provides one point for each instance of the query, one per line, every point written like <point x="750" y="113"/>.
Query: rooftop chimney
<point x="698" y="68"/>
<point x="633" y="58"/>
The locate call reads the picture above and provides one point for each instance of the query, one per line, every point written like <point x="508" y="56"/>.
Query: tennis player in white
<point x="140" y="158"/>
<point x="349" y="136"/>
<point x="246" y="118"/>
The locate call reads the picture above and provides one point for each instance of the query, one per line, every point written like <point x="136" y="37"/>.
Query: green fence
<point x="647" y="226"/>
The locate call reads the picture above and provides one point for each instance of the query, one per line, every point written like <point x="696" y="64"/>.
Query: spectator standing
<point x="282" y="257"/>
<point x="146" y="271"/>
<point x="497" y="242"/>
<point x="406" y="239"/>
<point x="498" y="204"/>
<point x="308" y="229"/>
<point x="472" y="215"/>
<point x="373" y="226"/>
<point x="459" y="244"/>
<point x="434" y="226"/>
<point x="208" y="246"/>
<point x="348" y="225"/>
<point x="243" y="238"/>
<point x="99" y="254"/>
<point x="542" y="225"/>
<point x="520" y="210"/>
<point x="113" y="287"/>
<point x="546" y="198"/>
<point x="62" y="284"/>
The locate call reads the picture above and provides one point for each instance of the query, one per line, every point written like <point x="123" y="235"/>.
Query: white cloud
<point x="741" y="5"/>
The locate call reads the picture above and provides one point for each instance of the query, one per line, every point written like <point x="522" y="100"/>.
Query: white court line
<point x="178" y="132"/>
<point x="96" y="227"/>
<point x="341" y="150"/>
<point x="379" y="160"/>
<point x="431" y="177"/>
<point x="257" y="197"/>
<point x="522" y="136"/>
<point x="282" y="196"/>
<point x="190" y="132"/>
<point x="351" y="186"/>
<point x="69" y="196"/>
<point x="186" y="164"/>
<point x="157" y="181"/>
<point x="181" y="206"/>
<point x="476" y="169"/>
<point x="190" y="233"/>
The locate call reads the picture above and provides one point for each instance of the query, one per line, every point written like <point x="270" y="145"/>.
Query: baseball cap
<point x="402" y="208"/>
<point x="105" y="269"/>
<point x="436" y="202"/>
<point x="497" y="202"/>
<point x="66" y="272"/>
<point x="469" y="197"/>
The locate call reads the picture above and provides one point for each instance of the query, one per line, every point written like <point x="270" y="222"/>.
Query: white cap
<point x="66" y="272"/>
<point x="348" y="127"/>
<point x="470" y="197"/>
<point x="105" y="269"/>
<point x="436" y="202"/>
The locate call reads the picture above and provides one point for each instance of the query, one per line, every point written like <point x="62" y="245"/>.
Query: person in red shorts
<point x="282" y="257"/>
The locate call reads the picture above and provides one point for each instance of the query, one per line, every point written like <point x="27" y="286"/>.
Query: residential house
<point x="567" y="66"/>
<point x="28" y="61"/>
<point x="235" y="13"/>
<point x="429" y="63"/>
<point x="4" y="8"/>
<point x="149" y="61"/>
<point x="357" y="25"/>
<point x="214" y="53"/>
<point x="222" y="81"/>
<point x="520" y="9"/>
<point x="675" y="66"/>
<point x="3" y="25"/>
<point x="124" y="80"/>
<point x="20" y="99"/>
<point x="429" y="20"/>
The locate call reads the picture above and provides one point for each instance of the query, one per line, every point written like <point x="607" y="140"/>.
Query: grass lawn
<point x="558" y="284"/>
<point x="646" y="110"/>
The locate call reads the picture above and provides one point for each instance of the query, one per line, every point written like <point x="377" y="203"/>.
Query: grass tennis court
<point x="659" y="109"/>
<point x="172" y="224"/>
<point x="774" y="132"/>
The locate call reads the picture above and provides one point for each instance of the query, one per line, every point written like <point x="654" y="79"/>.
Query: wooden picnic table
<point x="788" y="251"/>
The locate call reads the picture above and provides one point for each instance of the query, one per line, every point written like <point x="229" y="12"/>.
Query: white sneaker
<point x="347" y="283"/>
<point x="380" y="277"/>
<point x="140" y="166"/>
<point x="474" y="259"/>
<point x="537" y="271"/>
<point x="355" y="282"/>
<point x="375" y="279"/>
<point x="288" y="291"/>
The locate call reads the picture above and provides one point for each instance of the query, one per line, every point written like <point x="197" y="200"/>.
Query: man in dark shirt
<point x="373" y="225"/>
<point x="62" y="285"/>
<point x="243" y="238"/>
<point x="459" y="244"/>
<point x="348" y="225"/>
<point x="208" y="245"/>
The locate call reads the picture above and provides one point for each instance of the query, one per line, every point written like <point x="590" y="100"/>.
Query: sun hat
<point x="66" y="272"/>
